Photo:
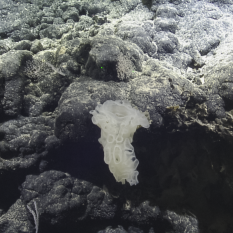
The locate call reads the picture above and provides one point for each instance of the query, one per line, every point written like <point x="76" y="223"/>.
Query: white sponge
<point x="118" y="122"/>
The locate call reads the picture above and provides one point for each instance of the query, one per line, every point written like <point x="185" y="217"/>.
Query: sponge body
<point x="118" y="122"/>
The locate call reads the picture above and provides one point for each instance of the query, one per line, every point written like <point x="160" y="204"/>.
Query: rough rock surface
<point x="172" y="60"/>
